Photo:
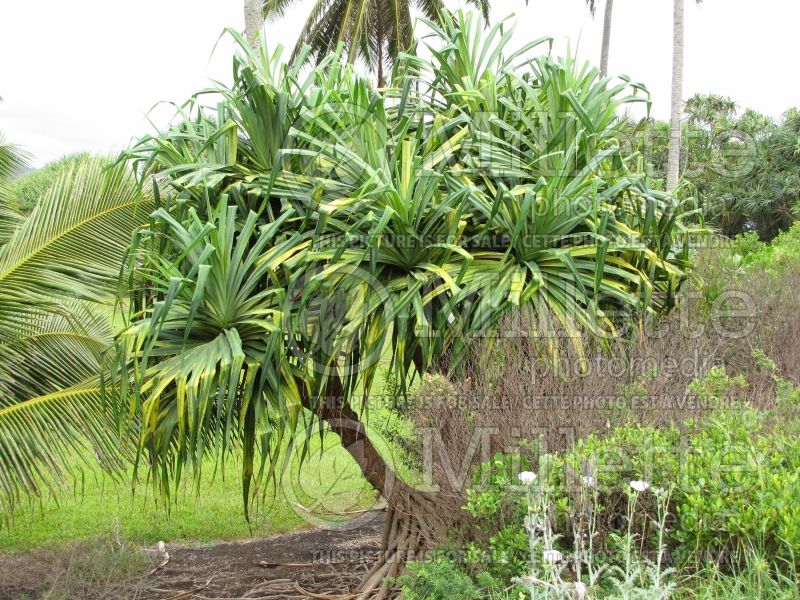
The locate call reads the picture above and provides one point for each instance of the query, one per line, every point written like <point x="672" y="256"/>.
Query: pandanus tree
<point x="311" y="225"/>
<point x="58" y="277"/>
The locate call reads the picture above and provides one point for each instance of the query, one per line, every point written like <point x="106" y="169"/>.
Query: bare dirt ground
<point x="317" y="563"/>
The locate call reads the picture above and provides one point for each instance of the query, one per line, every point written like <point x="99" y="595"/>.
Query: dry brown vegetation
<point x="512" y="391"/>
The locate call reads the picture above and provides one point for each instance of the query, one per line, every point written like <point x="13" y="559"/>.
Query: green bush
<point x="741" y="487"/>
<point x="716" y="386"/>
<point x="735" y="475"/>
<point x="437" y="579"/>
<point x="631" y="452"/>
<point x="25" y="191"/>
<point x="730" y="265"/>
<point x="747" y="245"/>
<point x="784" y="249"/>
<point x="737" y="478"/>
<point x="500" y="547"/>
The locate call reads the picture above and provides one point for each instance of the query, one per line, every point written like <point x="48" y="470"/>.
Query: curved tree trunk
<point x="606" y="38"/>
<point x="253" y="21"/>
<point x="414" y="521"/>
<point x="673" y="172"/>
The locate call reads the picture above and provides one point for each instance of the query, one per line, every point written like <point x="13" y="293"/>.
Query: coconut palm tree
<point x="253" y="21"/>
<point x="606" y="45"/>
<point x="316" y="225"/>
<point x="674" y="161"/>
<point x="375" y="31"/>
<point x="59" y="269"/>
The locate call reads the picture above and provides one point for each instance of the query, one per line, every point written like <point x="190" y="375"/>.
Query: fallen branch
<point x="189" y="593"/>
<point x="272" y="565"/>
<point x="305" y="592"/>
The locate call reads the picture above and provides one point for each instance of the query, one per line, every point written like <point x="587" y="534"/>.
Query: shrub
<point x="499" y="545"/>
<point x="437" y="579"/>
<point x="747" y="245"/>
<point x="784" y="251"/>
<point x="717" y="385"/>
<point x="735" y="478"/>
<point x="27" y="189"/>
<point x="741" y="488"/>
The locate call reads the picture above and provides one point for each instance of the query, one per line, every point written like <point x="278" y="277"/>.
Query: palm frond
<point x="72" y="243"/>
<point x="58" y="275"/>
<point x="56" y="347"/>
<point x="10" y="220"/>
<point x="12" y="159"/>
<point x="49" y="437"/>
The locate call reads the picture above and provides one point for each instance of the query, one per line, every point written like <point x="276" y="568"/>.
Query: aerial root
<point x="413" y="526"/>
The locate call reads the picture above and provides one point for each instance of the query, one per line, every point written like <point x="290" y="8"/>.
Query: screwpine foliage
<point x="312" y="225"/>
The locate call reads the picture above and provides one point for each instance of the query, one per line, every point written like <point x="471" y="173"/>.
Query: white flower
<point x="588" y="481"/>
<point x="581" y="591"/>
<point x="527" y="477"/>
<point x="639" y="486"/>
<point x="552" y="556"/>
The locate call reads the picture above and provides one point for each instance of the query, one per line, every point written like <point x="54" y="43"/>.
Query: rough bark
<point x="606" y="38"/>
<point x="253" y="22"/>
<point x="414" y="522"/>
<point x="673" y="172"/>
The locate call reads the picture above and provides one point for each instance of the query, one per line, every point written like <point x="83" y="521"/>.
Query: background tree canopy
<point x="742" y="166"/>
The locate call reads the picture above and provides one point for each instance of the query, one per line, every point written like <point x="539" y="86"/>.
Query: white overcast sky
<point x="82" y="75"/>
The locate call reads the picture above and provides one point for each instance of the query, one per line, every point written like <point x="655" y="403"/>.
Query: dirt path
<point x="320" y="561"/>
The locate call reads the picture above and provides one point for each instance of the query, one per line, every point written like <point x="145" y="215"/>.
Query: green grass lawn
<point x="327" y="482"/>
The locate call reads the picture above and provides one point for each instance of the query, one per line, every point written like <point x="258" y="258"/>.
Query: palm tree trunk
<point x="606" y="38"/>
<point x="381" y="42"/>
<point x="381" y="82"/>
<point x="673" y="172"/>
<point x="253" y="21"/>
